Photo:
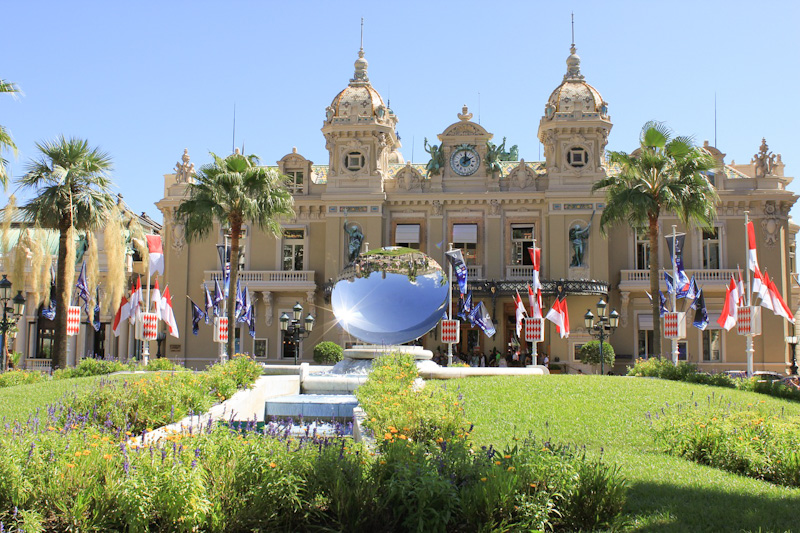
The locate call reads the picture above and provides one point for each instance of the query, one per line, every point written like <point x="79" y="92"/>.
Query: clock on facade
<point x="465" y="160"/>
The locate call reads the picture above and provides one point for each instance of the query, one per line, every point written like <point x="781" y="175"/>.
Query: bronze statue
<point x="434" y="166"/>
<point x="578" y="237"/>
<point x="493" y="156"/>
<point x="354" y="241"/>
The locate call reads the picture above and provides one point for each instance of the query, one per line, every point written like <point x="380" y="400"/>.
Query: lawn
<point x="608" y="415"/>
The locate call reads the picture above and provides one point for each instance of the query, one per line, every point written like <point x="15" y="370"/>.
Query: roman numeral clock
<point x="465" y="160"/>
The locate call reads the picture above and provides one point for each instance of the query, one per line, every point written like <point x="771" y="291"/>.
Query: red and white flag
<point x="156" y="254"/>
<point x="520" y="313"/>
<point x="123" y="312"/>
<point x="156" y="299"/>
<point x="535" y="302"/>
<point x="536" y="261"/>
<point x="168" y="315"/>
<point x="559" y="315"/>
<point x="740" y="291"/>
<point x="758" y="280"/>
<point x="779" y="306"/>
<point x="727" y="319"/>
<point x="136" y="300"/>
<point x="763" y="291"/>
<point x="752" y="258"/>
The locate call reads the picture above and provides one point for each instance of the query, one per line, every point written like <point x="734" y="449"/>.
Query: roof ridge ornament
<point x="465" y="115"/>
<point x="574" y="60"/>
<point x="360" y="77"/>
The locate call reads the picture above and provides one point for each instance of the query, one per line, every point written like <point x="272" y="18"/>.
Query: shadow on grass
<point x="667" y="508"/>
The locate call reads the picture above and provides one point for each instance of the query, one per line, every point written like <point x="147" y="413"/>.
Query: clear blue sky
<point x="144" y="80"/>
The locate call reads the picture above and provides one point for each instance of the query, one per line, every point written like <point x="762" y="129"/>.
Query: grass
<point x="607" y="415"/>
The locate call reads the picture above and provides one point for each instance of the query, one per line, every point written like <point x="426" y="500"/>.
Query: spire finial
<point x="360" y="76"/>
<point x="362" y="34"/>
<point x="573" y="27"/>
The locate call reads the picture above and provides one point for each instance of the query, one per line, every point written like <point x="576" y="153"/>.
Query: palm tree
<point x="6" y="142"/>
<point x="666" y="173"/>
<point x="73" y="193"/>
<point x="235" y="191"/>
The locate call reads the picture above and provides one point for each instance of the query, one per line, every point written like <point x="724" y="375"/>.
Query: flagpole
<point x="534" y="352"/>
<point x="675" y="351"/>
<point x="145" y="342"/>
<point x="450" y="303"/>
<point x="749" y="349"/>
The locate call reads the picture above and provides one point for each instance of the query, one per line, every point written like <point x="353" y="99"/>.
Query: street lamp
<point x="603" y="328"/>
<point x="792" y="341"/>
<point x="294" y="329"/>
<point x="16" y="311"/>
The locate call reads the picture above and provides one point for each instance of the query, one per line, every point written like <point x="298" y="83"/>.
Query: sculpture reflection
<point x="390" y="296"/>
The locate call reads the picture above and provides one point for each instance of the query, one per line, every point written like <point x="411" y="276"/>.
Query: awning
<point x="465" y="233"/>
<point x="407" y="233"/>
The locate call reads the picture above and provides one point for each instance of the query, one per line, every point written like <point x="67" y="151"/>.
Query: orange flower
<point x="498" y="463"/>
<point x="507" y="456"/>
<point x="70" y="465"/>
<point x="107" y="456"/>
<point x="483" y="479"/>
<point x="272" y="465"/>
<point x="94" y="445"/>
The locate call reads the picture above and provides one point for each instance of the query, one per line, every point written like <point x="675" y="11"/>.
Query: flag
<point x="763" y="292"/>
<point x="780" y="307"/>
<point x="218" y="298"/>
<point x="536" y="261"/>
<point x="168" y="314"/>
<point x="559" y="315"/>
<point x="676" y="256"/>
<point x="136" y="299"/>
<point x="156" y="299"/>
<point x="464" y="307"/>
<point x="252" y="320"/>
<point x="700" y="314"/>
<point x="520" y="312"/>
<point x="456" y="259"/>
<point x="197" y="316"/>
<point x="96" y="317"/>
<point x="758" y="280"/>
<point x="727" y="319"/>
<point x="83" y="289"/>
<point x="694" y="290"/>
<point x="740" y="288"/>
<point x="752" y="258"/>
<point x="209" y="303"/>
<point x="662" y="302"/>
<point x="535" y="302"/>
<point x="123" y="312"/>
<point x="156" y="254"/>
<point x="481" y="317"/>
<point x="238" y="310"/>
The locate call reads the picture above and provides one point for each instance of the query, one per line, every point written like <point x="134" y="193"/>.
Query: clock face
<point x="465" y="161"/>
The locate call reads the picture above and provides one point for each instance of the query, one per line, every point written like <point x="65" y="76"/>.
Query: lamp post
<point x="296" y="329"/>
<point x="791" y="340"/>
<point x="16" y="311"/>
<point x="601" y="329"/>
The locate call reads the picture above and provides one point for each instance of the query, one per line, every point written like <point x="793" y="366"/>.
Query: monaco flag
<point x="763" y="290"/>
<point x="535" y="301"/>
<point x="156" y="254"/>
<point x="536" y="261"/>
<point x="778" y="304"/>
<point x="727" y="318"/>
<point x="167" y="313"/>
<point x="123" y="312"/>
<point x="752" y="258"/>
<point x="156" y="299"/>
<point x="559" y="315"/>
<point x="520" y="313"/>
<point x="136" y="300"/>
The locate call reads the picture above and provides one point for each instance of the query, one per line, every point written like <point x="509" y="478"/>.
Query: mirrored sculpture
<point x="390" y="296"/>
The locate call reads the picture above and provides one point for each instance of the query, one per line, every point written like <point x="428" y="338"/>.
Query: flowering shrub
<point x="748" y="440"/>
<point x="656" y="367"/>
<point x="21" y="377"/>
<point x="90" y="367"/>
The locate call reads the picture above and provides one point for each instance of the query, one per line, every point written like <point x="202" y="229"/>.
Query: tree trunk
<point x="236" y="229"/>
<point x="654" y="283"/>
<point x="63" y="282"/>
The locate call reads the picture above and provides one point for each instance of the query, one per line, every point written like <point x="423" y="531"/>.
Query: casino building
<point x="491" y="204"/>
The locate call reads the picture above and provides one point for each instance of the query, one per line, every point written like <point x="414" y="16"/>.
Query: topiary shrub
<point x="327" y="353"/>
<point x="590" y="353"/>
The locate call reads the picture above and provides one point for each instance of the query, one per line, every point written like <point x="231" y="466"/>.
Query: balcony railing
<point x="269" y="279"/>
<point x="519" y="272"/>
<point x="641" y="278"/>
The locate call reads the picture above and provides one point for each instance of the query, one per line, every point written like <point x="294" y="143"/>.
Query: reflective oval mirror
<point x="390" y="295"/>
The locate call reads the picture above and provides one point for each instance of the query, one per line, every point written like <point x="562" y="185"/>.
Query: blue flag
<point x="209" y="303"/>
<point x="83" y="289"/>
<point x="251" y="316"/>
<point x="662" y="301"/>
<point x="700" y="315"/>
<point x="197" y="316"/>
<point x="457" y="260"/>
<point x="465" y="306"/>
<point x="50" y="312"/>
<point x="218" y="298"/>
<point x="482" y="318"/>
<point x="96" y="321"/>
<point x="676" y="256"/>
<point x="693" y="291"/>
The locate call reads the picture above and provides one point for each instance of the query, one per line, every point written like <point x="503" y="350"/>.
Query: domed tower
<point x="360" y="136"/>
<point x="574" y="131"/>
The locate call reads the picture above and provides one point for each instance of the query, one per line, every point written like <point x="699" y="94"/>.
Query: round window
<point x="577" y="157"/>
